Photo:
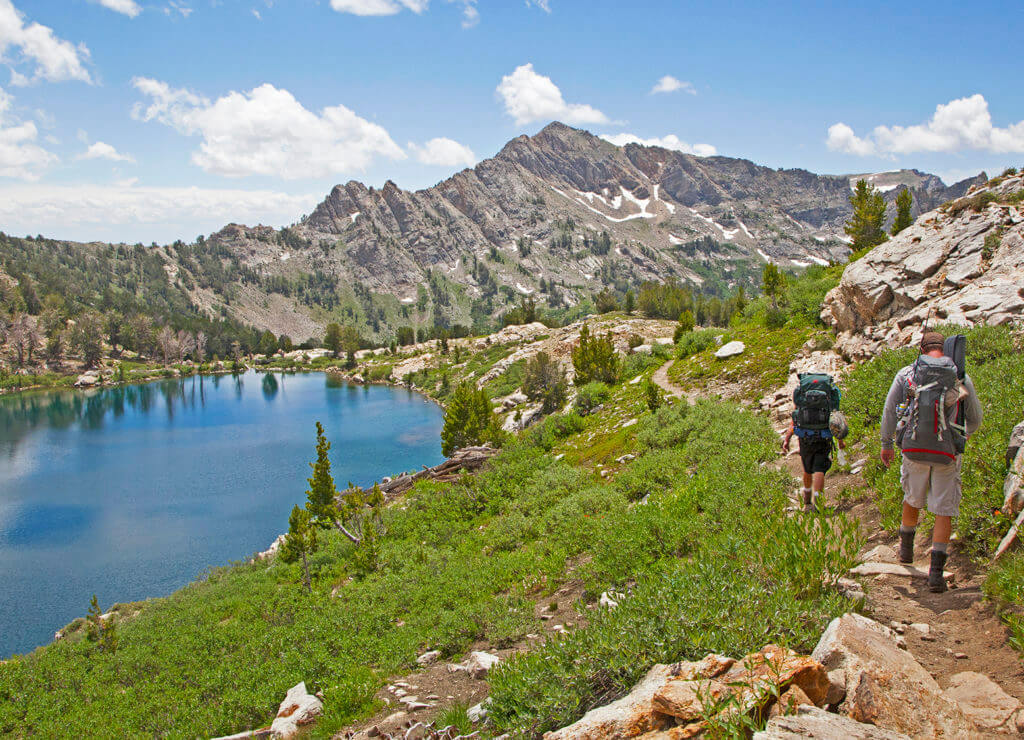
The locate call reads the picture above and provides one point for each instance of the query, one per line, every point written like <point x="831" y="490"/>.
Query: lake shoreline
<point x="358" y="439"/>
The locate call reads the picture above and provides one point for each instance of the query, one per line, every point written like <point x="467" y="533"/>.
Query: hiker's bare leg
<point x="807" y="480"/>
<point x="818" y="482"/>
<point x="943" y="529"/>
<point x="910" y="516"/>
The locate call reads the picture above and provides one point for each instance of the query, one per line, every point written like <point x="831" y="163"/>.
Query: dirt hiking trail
<point x="948" y="633"/>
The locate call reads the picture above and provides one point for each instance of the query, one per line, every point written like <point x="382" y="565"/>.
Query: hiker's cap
<point x="932" y="340"/>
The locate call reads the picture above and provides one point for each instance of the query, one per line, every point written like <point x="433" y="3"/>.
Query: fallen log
<point x="466" y="459"/>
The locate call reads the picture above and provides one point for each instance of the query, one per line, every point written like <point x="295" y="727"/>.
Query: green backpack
<point x="816" y="397"/>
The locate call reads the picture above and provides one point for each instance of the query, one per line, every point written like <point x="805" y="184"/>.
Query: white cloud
<point x="129" y="8"/>
<point x="444" y="152"/>
<point x="378" y="7"/>
<point x="470" y="14"/>
<point x="668" y="84"/>
<point x="102" y="150"/>
<point x="20" y="156"/>
<point x="266" y="132"/>
<point x="126" y="212"/>
<point x="53" y="59"/>
<point x="544" y="5"/>
<point x="529" y="97"/>
<point x="178" y="7"/>
<point x="257" y="14"/>
<point x="665" y="142"/>
<point x="964" y="123"/>
<point x="841" y="138"/>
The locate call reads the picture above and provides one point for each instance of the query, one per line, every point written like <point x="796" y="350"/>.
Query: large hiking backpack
<point x="815" y="397"/>
<point x="931" y="430"/>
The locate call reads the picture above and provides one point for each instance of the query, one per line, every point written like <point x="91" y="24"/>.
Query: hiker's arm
<point x="972" y="407"/>
<point x="788" y="436"/>
<point x="892" y="403"/>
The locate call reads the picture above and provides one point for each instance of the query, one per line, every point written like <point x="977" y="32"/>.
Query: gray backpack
<point x="928" y="431"/>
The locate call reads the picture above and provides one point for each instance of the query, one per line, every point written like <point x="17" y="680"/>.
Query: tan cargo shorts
<point x="938" y="486"/>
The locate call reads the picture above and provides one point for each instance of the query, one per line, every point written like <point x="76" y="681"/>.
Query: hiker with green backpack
<point x="930" y="412"/>
<point x="818" y="424"/>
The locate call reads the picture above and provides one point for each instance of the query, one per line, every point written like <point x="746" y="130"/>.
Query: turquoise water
<point x="132" y="492"/>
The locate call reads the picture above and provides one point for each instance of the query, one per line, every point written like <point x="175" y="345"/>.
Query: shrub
<point x="594" y="358"/>
<point x="544" y="380"/>
<point x="652" y="395"/>
<point x="590" y="396"/>
<point x="694" y="341"/>
<point x="775" y="318"/>
<point x="991" y="243"/>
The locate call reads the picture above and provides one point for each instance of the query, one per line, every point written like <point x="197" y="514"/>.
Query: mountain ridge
<point x="557" y="216"/>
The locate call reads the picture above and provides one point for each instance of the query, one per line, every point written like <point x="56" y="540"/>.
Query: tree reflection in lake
<point x="22" y="413"/>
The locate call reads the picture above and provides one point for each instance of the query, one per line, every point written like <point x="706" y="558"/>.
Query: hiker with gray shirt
<point x="931" y="410"/>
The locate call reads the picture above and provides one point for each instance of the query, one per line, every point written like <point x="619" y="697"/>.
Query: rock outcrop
<point x="885" y="685"/>
<point x="811" y="722"/>
<point x="677" y="701"/>
<point x="963" y="264"/>
<point x="860" y="671"/>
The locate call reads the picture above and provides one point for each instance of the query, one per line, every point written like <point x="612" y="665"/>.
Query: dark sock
<point x="907" y="530"/>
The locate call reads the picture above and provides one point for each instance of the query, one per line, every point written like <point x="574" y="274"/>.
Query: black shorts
<point x="816" y="454"/>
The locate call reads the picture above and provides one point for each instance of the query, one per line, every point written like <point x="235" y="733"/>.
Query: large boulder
<point x="811" y="722"/>
<point x="885" y="685"/>
<point x="988" y="706"/>
<point x="630" y="716"/>
<point x="730" y="349"/>
<point x="299" y="708"/>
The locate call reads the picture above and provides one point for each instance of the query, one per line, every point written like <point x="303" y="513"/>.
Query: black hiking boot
<point x="907" y="546"/>
<point x="936" y="583"/>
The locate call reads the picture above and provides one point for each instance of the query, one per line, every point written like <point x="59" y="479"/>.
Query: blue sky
<point x="151" y="120"/>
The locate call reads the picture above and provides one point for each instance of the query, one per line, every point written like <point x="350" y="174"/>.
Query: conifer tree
<point x="773" y="282"/>
<point x="332" y="338"/>
<point x="300" y="542"/>
<point x="903" y="203"/>
<point x="468" y="419"/>
<point x="866" y="225"/>
<point x="99" y="630"/>
<point x="594" y="358"/>
<point x="321" y="498"/>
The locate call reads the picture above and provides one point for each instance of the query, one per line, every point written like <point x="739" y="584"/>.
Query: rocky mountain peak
<point x="532" y="215"/>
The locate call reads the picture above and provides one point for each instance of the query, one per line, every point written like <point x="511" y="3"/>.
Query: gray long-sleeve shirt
<point x="898" y="395"/>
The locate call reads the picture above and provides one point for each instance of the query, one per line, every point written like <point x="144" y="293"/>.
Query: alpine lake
<point x="134" y="491"/>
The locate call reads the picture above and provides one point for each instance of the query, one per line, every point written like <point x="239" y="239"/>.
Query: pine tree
<point x="468" y="419"/>
<point x="99" y="630"/>
<point x="268" y="344"/>
<point x="867" y="224"/>
<point x="544" y="380"/>
<point x="903" y="203"/>
<point x="652" y="394"/>
<point x="321" y="498"/>
<point x="686" y="320"/>
<point x="773" y="282"/>
<point x="300" y="542"/>
<point x="333" y="339"/>
<point x="594" y="358"/>
<point x="630" y="302"/>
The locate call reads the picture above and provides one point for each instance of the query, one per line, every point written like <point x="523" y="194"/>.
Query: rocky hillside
<point x="532" y="221"/>
<point x="962" y="263"/>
